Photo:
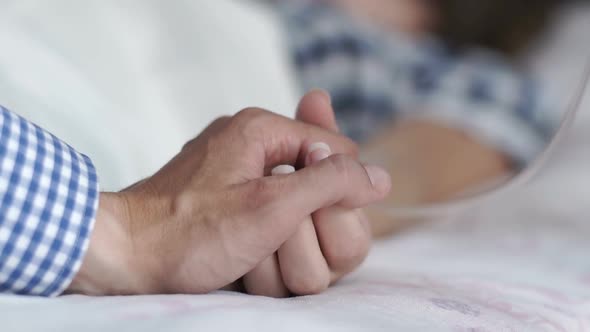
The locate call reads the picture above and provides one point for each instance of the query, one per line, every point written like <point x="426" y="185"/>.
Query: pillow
<point x="128" y="83"/>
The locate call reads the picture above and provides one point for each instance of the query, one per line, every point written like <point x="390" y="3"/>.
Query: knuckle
<point x="252" y="121"/>
<point x="250" y="115"/>
<point x="311" y="283"/>
<point x="209" y="132"/>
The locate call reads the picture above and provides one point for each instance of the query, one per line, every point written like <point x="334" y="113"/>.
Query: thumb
<point x="315" y="108"/>
<point x="281" y="202"/>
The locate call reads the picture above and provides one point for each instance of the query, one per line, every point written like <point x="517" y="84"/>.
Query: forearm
<point x="430" y="163"/>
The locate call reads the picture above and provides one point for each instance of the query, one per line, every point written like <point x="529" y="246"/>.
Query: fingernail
<point x="380" y="179"/>
<point x="318" y="151"/>
<point x="282" y="170"/>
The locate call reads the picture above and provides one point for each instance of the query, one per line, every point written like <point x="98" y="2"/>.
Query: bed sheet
<point x="517" y="263"/>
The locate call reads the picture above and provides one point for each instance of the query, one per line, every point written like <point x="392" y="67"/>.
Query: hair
<point x="507" y="26"/>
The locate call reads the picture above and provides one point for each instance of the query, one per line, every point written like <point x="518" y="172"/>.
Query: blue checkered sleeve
<point x="48" y="203"/>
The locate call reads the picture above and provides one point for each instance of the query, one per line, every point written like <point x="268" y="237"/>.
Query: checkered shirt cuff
<point x="48" y="203"/>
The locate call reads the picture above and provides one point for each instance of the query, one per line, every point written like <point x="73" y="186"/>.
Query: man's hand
<point x="213" y="214"/>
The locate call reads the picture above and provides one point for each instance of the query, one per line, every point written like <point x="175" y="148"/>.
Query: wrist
<point x="108" y="267"/>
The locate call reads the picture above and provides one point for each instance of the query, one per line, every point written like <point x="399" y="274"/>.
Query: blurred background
<point x="454" y="97"/>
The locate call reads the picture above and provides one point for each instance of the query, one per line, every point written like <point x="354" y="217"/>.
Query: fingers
<point x="280" y="203"/>
<point x="266" y="280"/>
<point x="303" y="267"/>
<point x="336" y="180"/>
<point x="283" y="204"/>
<point x="317" y="152"/>
<point x="345" y="240"/>
<point x="316" y="109"/>
<point x="342" y="233"/>
<point x="280" y="140"/>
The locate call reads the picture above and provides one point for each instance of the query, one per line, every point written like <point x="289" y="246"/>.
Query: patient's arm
<point x="428" y="163"/>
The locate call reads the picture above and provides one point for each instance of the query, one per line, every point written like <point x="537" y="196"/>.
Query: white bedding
<point x="520" y="262"/>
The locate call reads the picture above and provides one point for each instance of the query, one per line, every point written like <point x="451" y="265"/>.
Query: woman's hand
<point x="328" y="244"/>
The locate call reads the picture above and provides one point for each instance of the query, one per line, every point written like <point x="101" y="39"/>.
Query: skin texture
<point x="212" y="215"/>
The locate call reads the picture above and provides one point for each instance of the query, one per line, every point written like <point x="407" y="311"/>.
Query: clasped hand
<point x="214" y="218"/>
